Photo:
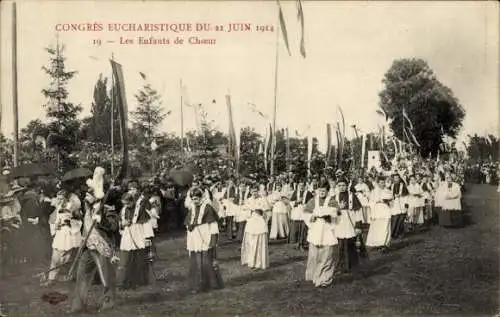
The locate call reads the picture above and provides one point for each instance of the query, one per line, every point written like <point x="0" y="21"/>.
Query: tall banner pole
<point x="14" y="84"/>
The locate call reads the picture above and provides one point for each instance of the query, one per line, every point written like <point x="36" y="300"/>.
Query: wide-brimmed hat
<point x="14" y="190"/>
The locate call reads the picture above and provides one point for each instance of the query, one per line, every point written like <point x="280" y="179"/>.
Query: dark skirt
<point x="136" y="269"/>
<point x="203" y="275"/>
<point x="451" y="218"/>
<point x="348" y="257"/>
<point x="294" y="236"/>
<point x="397" y="225"/>
<point x="303" y="235"/>
<point x="231" y="227"/>
<point x="240" y="230"/>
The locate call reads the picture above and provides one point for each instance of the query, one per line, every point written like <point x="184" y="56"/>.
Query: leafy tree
<point x="149" y="113"/>
<point x="6" y="151"/>
<point x="61" y="113"/>
<point x="250" y="159"/>
<point x="97" y="126"/>
<point x="431" y="106"/>
<point x="30" y="150"/>
<point x="483" y="148"/>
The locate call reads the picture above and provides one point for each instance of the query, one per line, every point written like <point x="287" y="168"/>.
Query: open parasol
<point x="76" y="173"/>
<point x="32" y="169"/>
<point x="181" y="177"/>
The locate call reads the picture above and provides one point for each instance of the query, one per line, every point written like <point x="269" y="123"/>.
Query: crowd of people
<point x="110" y="229"/>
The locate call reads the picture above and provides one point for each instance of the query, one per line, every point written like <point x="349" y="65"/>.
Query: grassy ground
<point x="441" y="272"/>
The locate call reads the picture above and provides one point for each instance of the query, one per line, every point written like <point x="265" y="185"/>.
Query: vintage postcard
<point x="249" y="158"/>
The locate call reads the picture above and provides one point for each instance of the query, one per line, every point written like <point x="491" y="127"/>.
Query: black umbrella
<point x="181" y="177"/>
<point x="76" y="173"/>
<point x="31" y="170"/>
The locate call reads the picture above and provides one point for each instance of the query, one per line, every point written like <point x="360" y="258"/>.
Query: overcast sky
<point x="349" y="48"/>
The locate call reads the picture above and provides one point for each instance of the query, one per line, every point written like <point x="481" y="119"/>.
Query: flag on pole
<point x="309" y="150"/>
<point x="196" y="108"/>
<point x="253" y="108"/>
<point x="363" y="149"/>
<point x="322" y="142"/>
<point x="328" y="142"/>
<point x="188" y="146"/>
<point x="341" y="138"/>
<point x="232" y="143"/>
<point x="265" y="148"/>
<point x="272" y="143"/>
<point x="121" y="104"/>
<point x="283" y="27"/>
<point x="405" y="116"/>
<point x="261" y="148"/>
<point x="413" y="138"/>
<point x="300" y="17"/>
<point x="288" y="161"/>
<point x="396" y="152"/>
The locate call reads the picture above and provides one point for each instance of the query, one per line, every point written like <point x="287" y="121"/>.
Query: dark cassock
<point x="428" y="189"/>
<point x="348" y="231"/>
<point x="298" y="229"/>
<point x="229" y="203"/>
<point x="35" y="228"/>
<point x="132" y="270"/>
<point x="100" y="252"/>
<point x="399" y="209"/>
<point x="170" y="215"/>
<point x="241" y="213"/>
<point x="202" y="234"/>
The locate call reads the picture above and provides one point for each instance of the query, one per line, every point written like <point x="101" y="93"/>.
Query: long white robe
<point x="254" y="248"/>
<point x="379" y="233"/>
<point x="451" y="196"/>
<point x="322" y="239"/>
<point x="280" y="220"/>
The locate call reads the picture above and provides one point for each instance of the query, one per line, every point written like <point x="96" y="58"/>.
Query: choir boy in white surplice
<point x="66" y="230"/>
<point x="271" y="185"/>
<point x="428" y="196"/>
<point x="415" y="202"/>
<point x="218" y="192"/>
<point x="254" y="248"/>
<point x="400" y="192"/>
<point x="319" y="214"/>
<point x="241" y="213"/>
<point x="347" y="228"/>
<point x="451" y="193"/>
<point x="363" y="193"/>
<point x="202" y="235"/>
<point x="298" y="229"/>
<point x="256" y="201"/>
<point x="132" y="245"/>
<point x="135" y="244"/>
<point x="280" y="215"/>
<point x="379" y="234"/>
<point x="229" y="202"/>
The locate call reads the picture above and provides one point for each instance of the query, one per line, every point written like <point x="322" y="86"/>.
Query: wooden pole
<point x="112" y="120"/>
<point x="14" y="84"/>
<point x="273" y="140"/>
<point x="182" y="123"/>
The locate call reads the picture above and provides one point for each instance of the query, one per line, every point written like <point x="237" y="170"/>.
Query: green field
<point x="441" y="272"/>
